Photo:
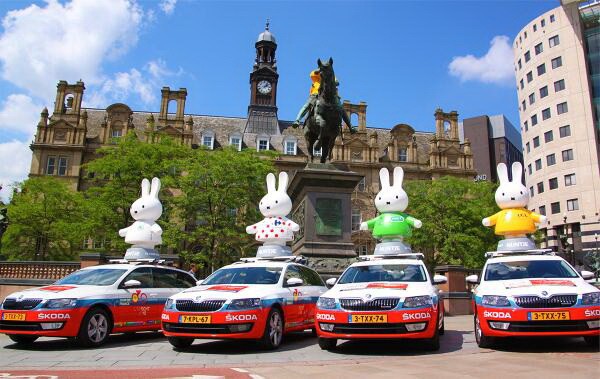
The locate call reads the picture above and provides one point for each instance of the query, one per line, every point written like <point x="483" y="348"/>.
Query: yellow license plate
<point x="194" y="319"/>
<point x="368" y="319"/>
<point x="13" y="316"/>
<point x="548" y="316"/>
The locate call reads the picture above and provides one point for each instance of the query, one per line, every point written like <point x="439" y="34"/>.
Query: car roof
<point x="262" y="263"/>
<point x="130" y="266"/>
<point x="520" y="258"/>
<point x="381" y="262"/>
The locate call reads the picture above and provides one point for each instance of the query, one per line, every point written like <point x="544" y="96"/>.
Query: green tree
<point x="47" y="221"/>
<point x="451" y="210"/>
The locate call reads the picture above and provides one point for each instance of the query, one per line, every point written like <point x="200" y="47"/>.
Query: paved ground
<point x="149" y="355"/>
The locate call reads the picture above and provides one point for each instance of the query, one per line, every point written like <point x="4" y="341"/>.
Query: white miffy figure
<point x="275" y="228"/>
<point x="391" y="201"/>
<point x="514" y="220"/>
<point x="145" y="232"/>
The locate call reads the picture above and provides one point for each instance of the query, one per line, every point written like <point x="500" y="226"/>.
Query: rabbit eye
<point x="521" y="192"/>
<point x="276" y="202"/>
<point x="379" y="197"/>
<point x="396" y="196"/>
<point x="502" y="193"/>
<point x="142" y="206"/>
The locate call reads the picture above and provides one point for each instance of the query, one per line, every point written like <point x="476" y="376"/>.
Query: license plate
<point x="13" y="316"/>
<point x="368" y="319"/>
<point x="548" y="316"/>
<point x="194" y="319"/>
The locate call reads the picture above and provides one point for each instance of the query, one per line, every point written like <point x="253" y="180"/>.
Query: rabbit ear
<point x="384" y="177"/>
<point x="155" y="187"/>
<point x="145" y="187"/>
<point x="283" y="182"/>
<point x="398" y="177"/>
<point x="271" y="183"/>
<point x="517" y="172"/>
<point x="502" y="173"/>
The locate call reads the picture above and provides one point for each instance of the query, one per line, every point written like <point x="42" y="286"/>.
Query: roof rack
<point x="285" y="258"/>
<point x="418" y="256"/>
<point x="506" y="253"/>
<point x="148" y="261"/>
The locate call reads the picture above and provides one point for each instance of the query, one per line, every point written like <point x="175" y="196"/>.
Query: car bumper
<point x="248" y="324"/>
<point x="580" y="322"/>
<point x="398" y="325"/>
<point x="45" y="323"/>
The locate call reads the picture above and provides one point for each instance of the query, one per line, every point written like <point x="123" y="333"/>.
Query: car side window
<point x="184" y="280"/>
<point x="165" y="278"/>
<point x="292" y="272"/>
<point x="143" y="275"/>
<point x="310" y="277"/>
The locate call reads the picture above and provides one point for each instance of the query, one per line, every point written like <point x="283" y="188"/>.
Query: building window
<point x="556" y="62"/>
<point x="527" y="56"/>
<point x="559" y="85"/>
<point x="553" y="41"/>
<point x="50" y="165"/>
<point x="546" y="114"/>
<point x="526" y="124"/>
<point x="543" y="92"/>
<point x="550" y="159"/>
<point x="572" y="205"/>
<point x="552" y="18"/>
<point x="536" y="142"/>
<point x="529" y="171"/>
<point x="62" y="166"/>
<point x="539" y="48"/>
<point x="519" y="64"/>
<point x="548" y="136"/>
<point x="356" y="219"/>
<point x="523" y="105"/>
<point x="567" y="155"/>
<point x="317" y="153"/>
<point x="538" y="164"/>
<point x="531" y="192"/>
<point x="290" y="147"/>
<point x="116" y="133"/>
<point x="543" y="22"/>
<point x="99" y="243"/>
<point x="562" y="108"/>
<point x="527" y="147"/>
<point x="236" y="142"/>
<point x="525" y="35"/>
<point x="361" y="250"/>
<point x="564" y="131"/>
<point x="362" y="185"/>
<point x="541" y="69"/>
<point x="521" y="83"/>
<point x="529" y="77"/>
<point x="540" y="187"/>
<point x="553" y="183"/>
<point x="207" y="141"/>
<point x="531" y="98"/>
<point x="570" y="180"/>
<point x="534" y="27"/>
<point x="543" y="210"/>
<point x="262" y="145"/>
<point x="534" y="120"/>
<point x="402" y="154"/>
<point x="555" y="208"/>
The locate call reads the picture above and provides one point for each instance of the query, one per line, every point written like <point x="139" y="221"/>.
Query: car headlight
<point x="169" y="303"/>
<point x="417" y="301"/>
<point x="590" y="298"/>
<point x="326" y="303"/>
<point x="245" y="303"/>
<point x="60" y="303"/>
<point x="495" y="301"/>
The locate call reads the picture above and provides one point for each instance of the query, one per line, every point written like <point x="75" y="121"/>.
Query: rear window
<point x="529" y="269"/>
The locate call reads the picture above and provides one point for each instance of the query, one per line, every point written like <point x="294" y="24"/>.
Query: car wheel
<point x="273" y="330"/>
<point x="313" y="332"/>
<point x="95" y="328"/>
<point x="180" y="342"/>
<point x="22" y="339"/>
<point x="433" y="344"/>
<point x="593" y="341"/>
<point x="443" y="328"/>
<point x="327" y="343"/>
<point x="482" y="340"/>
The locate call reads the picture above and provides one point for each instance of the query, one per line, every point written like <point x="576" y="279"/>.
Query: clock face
<point x="264" y="87"/>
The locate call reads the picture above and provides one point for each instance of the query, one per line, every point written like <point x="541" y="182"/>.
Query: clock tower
<point x="262" y="111"/>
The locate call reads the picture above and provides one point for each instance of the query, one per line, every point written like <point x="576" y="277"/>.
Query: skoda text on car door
<point x="91" y="303"/>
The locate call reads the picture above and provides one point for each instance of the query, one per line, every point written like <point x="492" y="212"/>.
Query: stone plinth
<point x="321" y="196"/>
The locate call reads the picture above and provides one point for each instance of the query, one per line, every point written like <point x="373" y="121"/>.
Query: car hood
<point x="376" y="290"/>
<point x="538" y="287"/>
<point x="229" y="291"/>
<point x="67" y="291"/>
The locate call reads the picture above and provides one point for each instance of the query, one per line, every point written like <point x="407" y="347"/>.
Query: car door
<point x="312" y="289"/>
<point x="293" y="305"/>
<point x="133" y="310"/>
<point x="167" y="282"/>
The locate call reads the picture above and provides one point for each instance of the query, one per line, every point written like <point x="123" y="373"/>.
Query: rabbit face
<point x="511" y="194"/>
<point x="276" y="202"/>
<point x="391" y="198"/>
<point x="148" y="207"/>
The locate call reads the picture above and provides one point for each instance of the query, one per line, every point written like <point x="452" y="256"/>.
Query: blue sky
<point x="402" y="57"/>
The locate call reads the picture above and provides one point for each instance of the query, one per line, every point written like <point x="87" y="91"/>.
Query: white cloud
<point x="19" y="113"/>
<point x="168" y="6"/>
<point x="496" y="66"/>
<point x="19" y="156"/>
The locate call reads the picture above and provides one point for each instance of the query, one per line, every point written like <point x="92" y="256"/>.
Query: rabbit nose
<point x="512" y="198"/>
<point x="387" y="202"/>
<point x="268" y="207"/>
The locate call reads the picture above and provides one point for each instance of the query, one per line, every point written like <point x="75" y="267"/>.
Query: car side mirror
<point x="132" y="284"/>
<point x="587" y="275"/>
<point x="199" y="282"/>
<point x="439" y="279"/>
<point x="472" y="279"/>
<point x="294" y="282"/>
<point x="330" y="282"/>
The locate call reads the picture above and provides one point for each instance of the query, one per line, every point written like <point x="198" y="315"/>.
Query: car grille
<point x="382" y="304"/>
<point x="399" y="328"/>
<point x="201" y="328"/>
<point x="548" y="326"/>
<point x="204" y="306"/>
<point x="23" y="305"/>
<point x="556" y="301"/>
<point x="20" y="325"/>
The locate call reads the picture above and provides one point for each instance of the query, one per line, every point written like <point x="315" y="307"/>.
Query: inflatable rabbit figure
<point x="145" y="232"/>
<point x="275" y="228"/>
<point x="514" y="220"/>
<point x="391" y="201"/>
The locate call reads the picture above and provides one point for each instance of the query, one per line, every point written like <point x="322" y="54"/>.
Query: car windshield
<point x="529" y="269"/>
<point x="245" y="275"/>
<point x="384" y="273"/>
<point x="96" y="277"/>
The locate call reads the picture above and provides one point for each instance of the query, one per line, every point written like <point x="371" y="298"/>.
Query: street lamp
<point x="564" y="239"/>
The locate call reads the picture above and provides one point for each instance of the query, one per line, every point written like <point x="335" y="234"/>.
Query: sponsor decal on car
<point x="592" y="313"/>
<point x="495" y="314"/>
<point x="325" y="317"/>
<point x="164" y="317"/>
<point x="551" y="282"/>
<point x="53" y="316"/>
<point x="416" y="316"/>
<point x="226" y="288"/>
<point x="56" y="288"/>
<point x="235" y="317"/>
<point x="138" y="297"/>
<point x="296" y="294"/>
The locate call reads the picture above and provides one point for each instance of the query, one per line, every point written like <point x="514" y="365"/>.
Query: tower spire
<point x="267" y="24"/>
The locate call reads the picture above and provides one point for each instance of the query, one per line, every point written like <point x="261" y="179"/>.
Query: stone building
<point x="69" y="138"/>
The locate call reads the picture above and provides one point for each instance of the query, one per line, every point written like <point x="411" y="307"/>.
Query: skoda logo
<point x="544" y="293"/>
<point x="197" y="299"/>
<point x="368" y="296"/>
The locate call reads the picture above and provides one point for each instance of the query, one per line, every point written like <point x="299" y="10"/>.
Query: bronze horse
<point x="324" y="121"/>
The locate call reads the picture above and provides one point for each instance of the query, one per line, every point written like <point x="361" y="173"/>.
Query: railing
<point x="36" y="269"/>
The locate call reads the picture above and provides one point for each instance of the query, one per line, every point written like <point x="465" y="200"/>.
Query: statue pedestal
<point x="516" y="244"/>
<point x="321" y="196"/>
<point x="135" y="253"/>
<point x="392" y="248"/>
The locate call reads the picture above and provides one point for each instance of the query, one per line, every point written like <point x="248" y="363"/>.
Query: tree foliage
<point x="451" y="210"/>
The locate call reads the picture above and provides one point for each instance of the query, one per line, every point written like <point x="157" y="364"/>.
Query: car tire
<point x="433" y="344"/>
<point x="313" y="332"/>
<point x="593" y="341"/>
<point x="443" y="328"/>
<point x="22" y="339"/>
<point x="180" y="342"/>
<point x="327" y="343"/>
<point x="95" y="328"/>
<point x="273" y="334"/>
<point x="482" y="340"/>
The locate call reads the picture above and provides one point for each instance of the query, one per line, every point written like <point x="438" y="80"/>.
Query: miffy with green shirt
<point x="391" y="201"/>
